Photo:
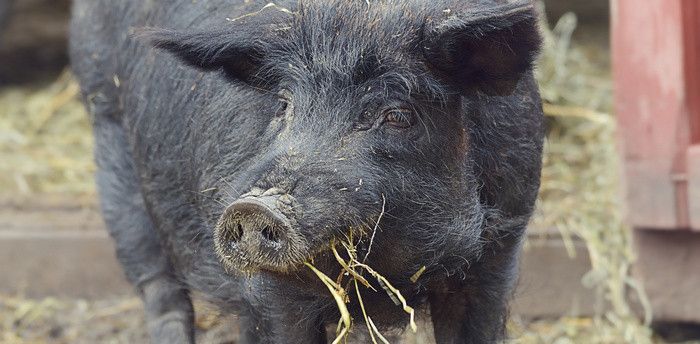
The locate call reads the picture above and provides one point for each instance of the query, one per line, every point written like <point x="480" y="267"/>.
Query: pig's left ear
<point x="487" y="49"/>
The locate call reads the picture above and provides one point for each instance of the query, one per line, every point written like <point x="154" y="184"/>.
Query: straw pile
<point x="45" y="141"/>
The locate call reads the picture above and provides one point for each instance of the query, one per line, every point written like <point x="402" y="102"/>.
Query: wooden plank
<point x="550" y="280"/>
<point x="651" y="106"/>
<point x="60" y="264"/>
<point x="668" y="269"/>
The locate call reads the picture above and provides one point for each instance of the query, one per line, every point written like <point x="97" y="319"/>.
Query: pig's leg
<point x="292" y="329"/>
<point x="168" y="308"/>
<point x="277" y="318"/>
<point x="255" y="330"/>
<point x="475" y="310"/>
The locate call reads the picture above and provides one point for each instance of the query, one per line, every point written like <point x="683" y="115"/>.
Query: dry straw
<point x="45" y="141"/>
<point x="352" y="270"/>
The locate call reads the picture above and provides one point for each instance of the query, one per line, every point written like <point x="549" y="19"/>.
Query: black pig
<point x="255" y="135"/>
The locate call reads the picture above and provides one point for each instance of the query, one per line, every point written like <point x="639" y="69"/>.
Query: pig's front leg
<point x="169" y="313"/>
<point x="276" y="313"/>
<point x="474" y="310"/>
<point x="284" y="328"/>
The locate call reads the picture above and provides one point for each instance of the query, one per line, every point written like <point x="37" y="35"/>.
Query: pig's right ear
<point x="483" y="48"/>
<point x="220" y="49"/>
<point x="238" y="47"/>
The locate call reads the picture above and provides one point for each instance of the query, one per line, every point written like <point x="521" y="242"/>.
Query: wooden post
<point x="691" y="21"/>
<point x="656" y="63"/>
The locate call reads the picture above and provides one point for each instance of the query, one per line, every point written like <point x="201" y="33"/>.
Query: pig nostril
<point x="232" y="234"/>
<point x="270" y="234"/>
<point x="237" y="233"/>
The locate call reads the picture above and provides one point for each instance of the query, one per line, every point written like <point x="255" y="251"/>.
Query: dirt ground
<point x="121" y="320"/>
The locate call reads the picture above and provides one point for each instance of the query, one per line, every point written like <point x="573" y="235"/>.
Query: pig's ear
<point x="210" y="50"/>
<point x="487" y="49"/>
<point x="238" y="47"/>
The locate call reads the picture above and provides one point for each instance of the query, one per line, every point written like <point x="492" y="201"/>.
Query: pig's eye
<point x="282" y="107"/>
<point x="284" y="103"/>
<point x="399" y="118"/>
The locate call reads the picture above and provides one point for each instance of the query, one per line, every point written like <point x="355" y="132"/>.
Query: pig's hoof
<point x="171" y="328"/>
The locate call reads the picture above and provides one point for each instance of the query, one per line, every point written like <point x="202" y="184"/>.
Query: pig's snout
<point x="254" y="233"/>
<point x="255" y="222"/>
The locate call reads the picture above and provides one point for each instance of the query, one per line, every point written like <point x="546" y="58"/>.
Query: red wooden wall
<point x="656" y="64"/>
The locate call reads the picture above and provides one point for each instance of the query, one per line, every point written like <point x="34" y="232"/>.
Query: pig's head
<point x="366" y="134"/>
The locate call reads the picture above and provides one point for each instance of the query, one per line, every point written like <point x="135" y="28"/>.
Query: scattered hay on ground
<point x="45" y="141"/>
<point x="118" y="320"/>
<point x="51" y="320"/>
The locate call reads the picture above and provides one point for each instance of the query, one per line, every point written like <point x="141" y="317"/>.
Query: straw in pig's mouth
<point x="352" y="274"/>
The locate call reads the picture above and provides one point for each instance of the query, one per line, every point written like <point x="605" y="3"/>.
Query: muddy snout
<point x="259" y="232"/>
